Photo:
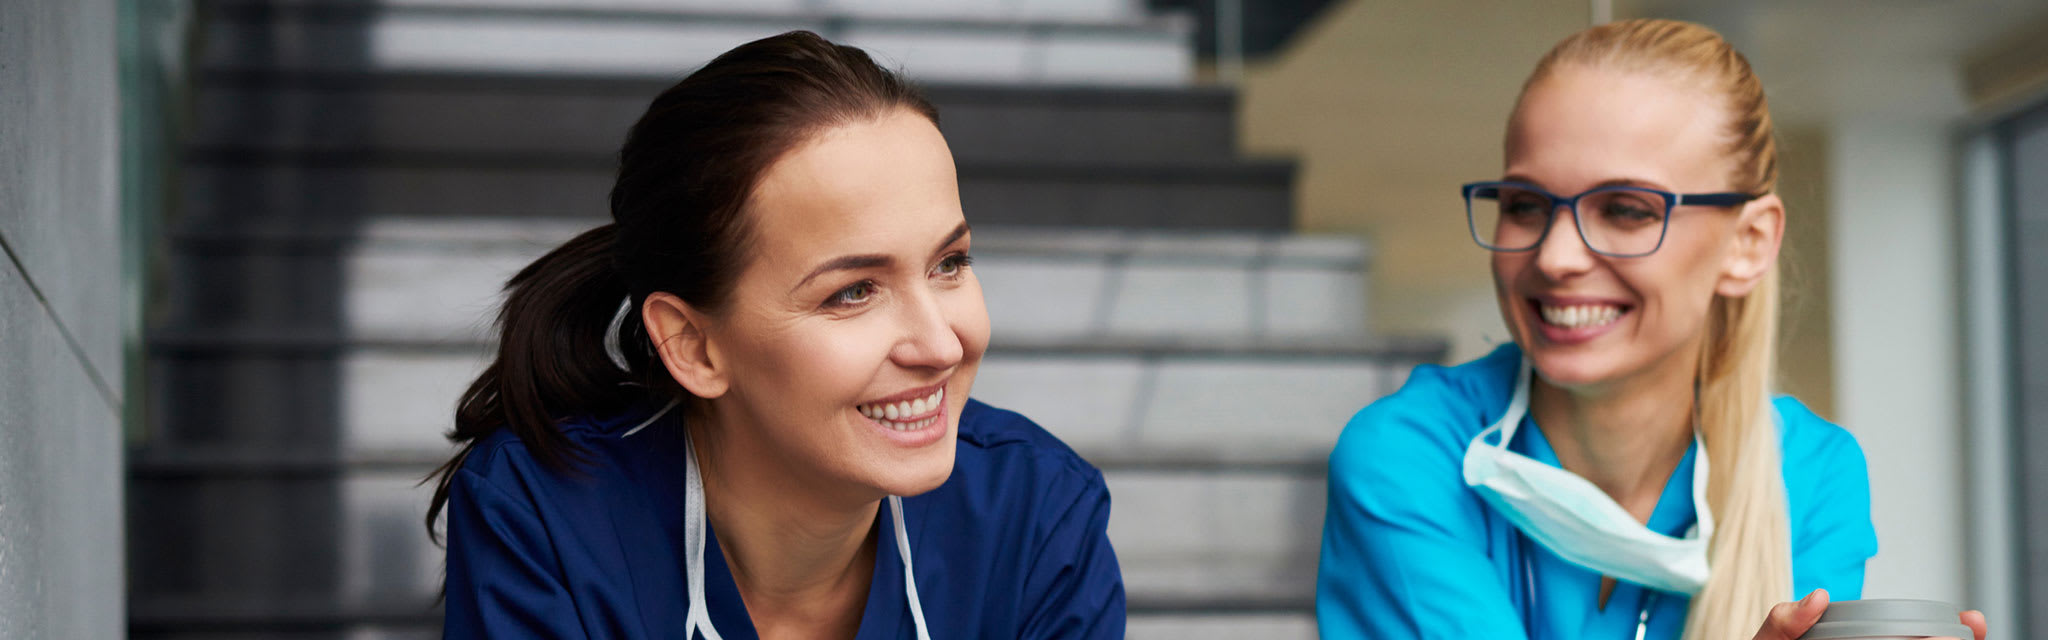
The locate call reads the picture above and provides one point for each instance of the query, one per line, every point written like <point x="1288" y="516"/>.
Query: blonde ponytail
<point x="1751" y="553"/>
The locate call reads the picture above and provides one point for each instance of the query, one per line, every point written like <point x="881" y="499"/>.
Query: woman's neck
<point x="802" y="558"/>
<point x="1626" y="436"/>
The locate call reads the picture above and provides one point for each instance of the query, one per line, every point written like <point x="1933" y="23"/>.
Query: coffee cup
<point x="1888" y="620"/>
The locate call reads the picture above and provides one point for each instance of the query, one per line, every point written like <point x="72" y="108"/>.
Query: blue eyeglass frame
<point x="1671" y="201"/>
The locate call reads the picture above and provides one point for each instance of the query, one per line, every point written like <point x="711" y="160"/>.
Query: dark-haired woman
<point x="772" y="437"/>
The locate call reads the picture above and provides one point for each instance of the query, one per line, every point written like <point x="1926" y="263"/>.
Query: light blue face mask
<point x="1576" y="520"/>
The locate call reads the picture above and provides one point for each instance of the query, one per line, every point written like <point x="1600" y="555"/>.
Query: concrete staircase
<point x="345" y="226"/>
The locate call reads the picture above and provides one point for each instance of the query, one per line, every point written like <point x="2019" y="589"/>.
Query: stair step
<point x="329" y="36"/>
<point x="418" y="618"/>
<point x="1010" y="11"/>
<point x="1223" y="626"/>
<point x="1040" y="286"/>
<point x="526" y="116"/>
<point x="1193" y="194"/>
<point x="1187" y="541"/>
<point x="1280" y="403"/>
<point x="243" y="461"/>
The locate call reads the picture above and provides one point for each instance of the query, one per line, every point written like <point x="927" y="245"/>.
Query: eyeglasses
<point x="1627" y="222"/>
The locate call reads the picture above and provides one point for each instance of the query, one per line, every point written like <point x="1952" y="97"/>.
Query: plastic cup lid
<point x="1888" y="619"/>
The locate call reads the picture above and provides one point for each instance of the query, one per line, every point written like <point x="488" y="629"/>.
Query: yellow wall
<point x="1806" y="348"/>
<point x="1389" y="106"/>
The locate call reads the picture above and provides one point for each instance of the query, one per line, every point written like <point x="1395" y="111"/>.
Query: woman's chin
<point x="1568" y="367"/>
<point x="923" y="473"/>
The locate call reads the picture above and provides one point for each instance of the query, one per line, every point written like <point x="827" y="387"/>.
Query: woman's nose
<point x="1563" y="251"/>
<point x="928" y="340"/>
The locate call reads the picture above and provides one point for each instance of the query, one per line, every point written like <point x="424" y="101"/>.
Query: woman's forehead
<point x="867" y="186"/>
<point x="1580" y="126"/>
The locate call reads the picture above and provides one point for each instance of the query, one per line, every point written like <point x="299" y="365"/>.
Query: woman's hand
<point x="1974" y="619"/>
<point x="1790" y="620"/>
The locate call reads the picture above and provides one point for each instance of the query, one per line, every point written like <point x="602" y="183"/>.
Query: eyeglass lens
<point x="1619" y="221"/>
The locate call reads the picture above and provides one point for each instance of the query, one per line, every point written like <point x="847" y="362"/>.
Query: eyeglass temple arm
<point x="1724" y="199"/>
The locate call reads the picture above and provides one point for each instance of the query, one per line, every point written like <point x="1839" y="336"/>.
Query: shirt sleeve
<point x="1828" y="497"/>
<point x="502" y="579"/>
<point x="1073" y="587"/>
<point x="1404" y="552"/>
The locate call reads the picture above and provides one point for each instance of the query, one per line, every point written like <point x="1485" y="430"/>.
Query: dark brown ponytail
<point x="685" y="172"/>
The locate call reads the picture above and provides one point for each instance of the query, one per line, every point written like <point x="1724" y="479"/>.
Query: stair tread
<point x="286" y="609"/>
<point x="229" y="157"/>
<point x="346" y="11"/>
<point x="638" y="90"/>
<point x="183" y="459"/>
<point x="243" y="35"/>
<point x="313" y="340"/>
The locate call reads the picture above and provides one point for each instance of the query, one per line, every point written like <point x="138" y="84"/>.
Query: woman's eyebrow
<point x="953" y="237"/>
<point x="1610" y="182"/>
<point x="1631" y="182"/>
<point x="870" y="260"/>
<point x="846" y="263"/>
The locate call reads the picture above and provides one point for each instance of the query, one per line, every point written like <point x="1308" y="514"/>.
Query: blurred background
<point x="253" y="249"/>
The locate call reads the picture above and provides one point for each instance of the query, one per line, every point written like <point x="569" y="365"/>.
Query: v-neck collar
<point x="657" y="571"/>
<point x="884" y="616"/>
<point x="1674" y="513"/>
<point x="1673" y="516"/>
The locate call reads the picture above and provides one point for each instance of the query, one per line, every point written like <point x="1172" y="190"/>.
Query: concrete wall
<point x="1896" y="347"/>
<point x="60" y="310"/>
<point x="2029" y="273"/>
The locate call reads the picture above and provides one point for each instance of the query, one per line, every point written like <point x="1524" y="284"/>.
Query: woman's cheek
<point x="836" y="359"/>
<point x="968" y="315"/>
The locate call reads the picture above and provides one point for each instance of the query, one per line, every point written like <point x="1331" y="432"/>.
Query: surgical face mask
<point x="1576" y="520"/>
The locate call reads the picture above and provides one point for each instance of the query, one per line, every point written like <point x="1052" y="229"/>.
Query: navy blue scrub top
<point x="1410" y="551"/>
<point x="1013" y="545"/>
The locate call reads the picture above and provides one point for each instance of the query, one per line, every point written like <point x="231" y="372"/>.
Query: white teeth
<point x="889" y="414"/>
<point x="913" y="426"/>
<point x="1580" y="316"/>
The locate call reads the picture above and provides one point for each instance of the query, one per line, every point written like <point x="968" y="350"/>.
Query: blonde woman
<point x="1621" y="470"/>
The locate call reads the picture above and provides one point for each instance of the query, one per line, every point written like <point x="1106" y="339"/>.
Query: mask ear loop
<point x="612" y="348"/>
<point x="694" y="535"/>
<point x="1518" y="406"/>
<point x="909" y="573"/>
<point x="1476" y="462"/>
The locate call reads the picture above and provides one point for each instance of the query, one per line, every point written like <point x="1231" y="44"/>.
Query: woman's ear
<point x="1759" y="231"/>
<point x="685" y="348"/>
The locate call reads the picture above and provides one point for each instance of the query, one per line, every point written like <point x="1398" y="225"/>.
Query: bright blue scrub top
<point x="1409" y="551"/>
<point x="1013" y="545"/>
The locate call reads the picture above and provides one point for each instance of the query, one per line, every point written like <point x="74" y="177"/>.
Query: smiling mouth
<point x="1579" y="316"/>
<point x="906" y="415"/>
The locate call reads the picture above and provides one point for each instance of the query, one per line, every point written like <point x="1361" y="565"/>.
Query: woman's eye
<point x="1628" y="213"/>
<point x="1524" y="209"/>
<point x="952" y="265"/>
<point x="852" y="295"/>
